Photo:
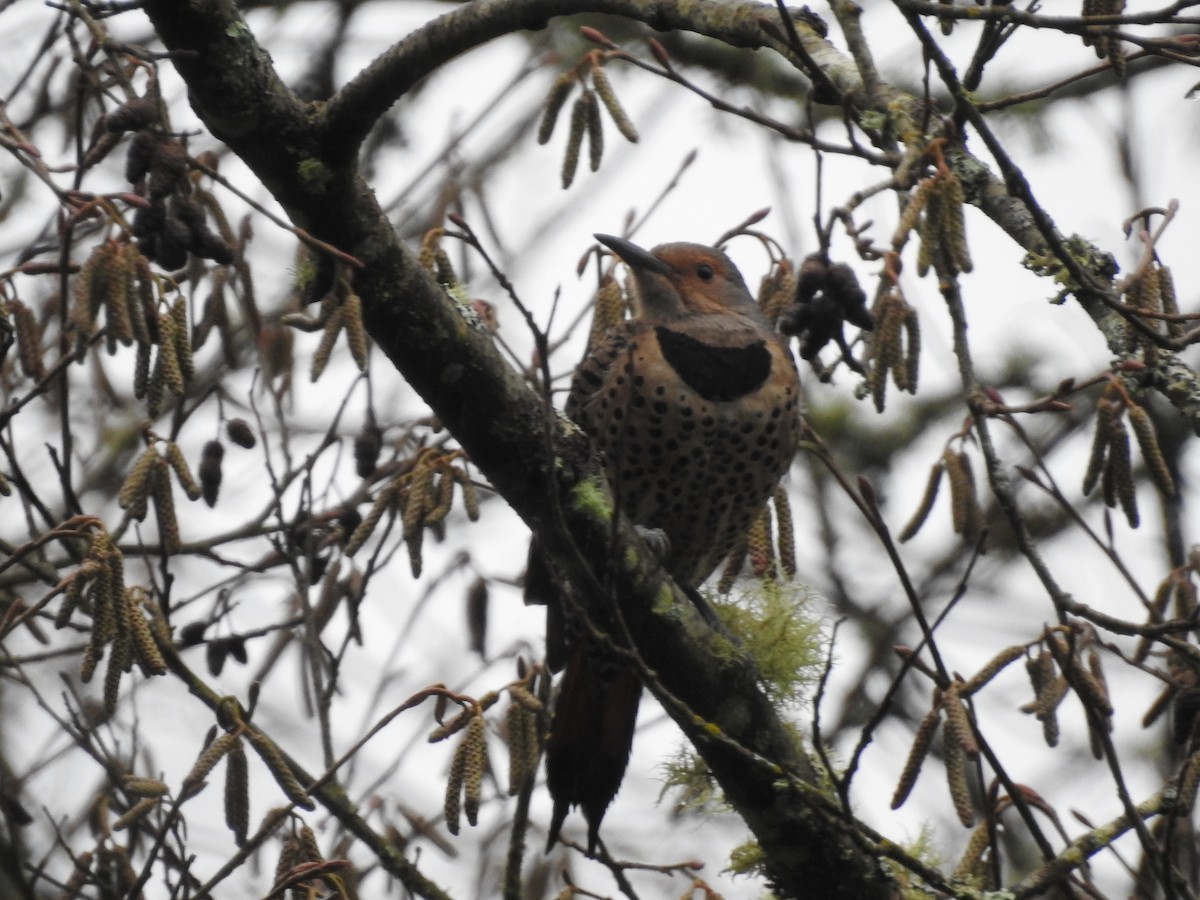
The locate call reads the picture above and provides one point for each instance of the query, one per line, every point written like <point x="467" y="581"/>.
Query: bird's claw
<point x="656" y="539"/>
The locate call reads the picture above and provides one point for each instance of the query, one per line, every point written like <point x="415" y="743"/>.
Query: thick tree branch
<point x="355" y="109"/>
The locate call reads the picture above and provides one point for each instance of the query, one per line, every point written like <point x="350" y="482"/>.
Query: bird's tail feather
<point x="590" y="738"/>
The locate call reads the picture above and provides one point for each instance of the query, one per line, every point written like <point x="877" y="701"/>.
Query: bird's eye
<point x="704" y="271"/>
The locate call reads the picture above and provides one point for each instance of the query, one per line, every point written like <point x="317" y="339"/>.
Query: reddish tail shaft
<point x="590" y="738"/>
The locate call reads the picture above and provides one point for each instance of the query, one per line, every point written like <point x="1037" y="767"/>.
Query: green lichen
<point x="314" y="175"/>
<point x="1089" y="258"/>
<point x="590" y="498"/>
<point x="664" y="600"/>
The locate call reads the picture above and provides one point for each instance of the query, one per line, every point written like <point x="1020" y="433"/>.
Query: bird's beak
<point x="633" y="255"/>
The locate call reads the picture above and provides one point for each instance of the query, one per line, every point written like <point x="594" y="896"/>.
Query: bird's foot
<point x="656" y="539"/>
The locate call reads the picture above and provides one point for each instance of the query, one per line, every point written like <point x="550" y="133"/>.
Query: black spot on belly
<point x="715" y="373"/>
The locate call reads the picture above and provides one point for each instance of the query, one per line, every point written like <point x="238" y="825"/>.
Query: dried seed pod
<point x="608" y="97"/>
<point x="29" y="340"/>
<point x="1143" y="293"/>
<point x="367" y="446"/>
<point x="210" y="471"/>
<point x="958" y="723"/>
<point x="237" y="793"/>
<point x="290" y="856"/>
<point x="455" y="725"/>
<point x="146" y="651"/>
<point x="474" y="740"/>
<point x="608" y="311"/>
<point x="169" y="246"/>
<point x="470" y="498"/>
<point x="1185" y="597"/>
<point x="356" y="334"/>
<point x="776" y="290"/>
<point x="168" y="354"/>
<point x="912" y="209"/>
<point x="998" y="662"/>
<point x="280" y="770"/>
<point x="117" y="659"/>
<point x="133" y="115"/>
<point x="73" y="587"/>
<point x="208" y="759"/>
<point x="142" y="152"/>
<point x="141" y="371"/>
<point x="1049" y="689"/>
<point x="1040" y="670"/>
<point x="167" y="169"/>
<point x="109" y="589"/>
<point x="418" y="502"/>
<point x="140" y="289"/>
<point x="454" y="783"/>
<point x="120" y="295"/>
<point x="164" y="512"/>
<point x="1102" y="37"/>
<point x="238" y="431"/>
<point x="1089" y="684"/>
<point x="1170" y="302"/>
<point x="93" y="653"/>
<point x="143" y="787"/>
<point x="1147" y="438"/>
<point x="1105" y="419"/>
<point x="971" y="866"/>
<point x="135" y="490"/>
<point x="524" y="697"/>
<point x="733" y="565"/>
<point x="594" y="129"/>
<point x="383" y="502"/>
<point x="1117" y="479"/>
<point x="477" y="616"/>
<point x="954" y="233"/>
<point x="182" y="337"/>
<point x="333" y="325"/>
<point x="956" y="779"/>
<point x="519" y="770"/>
<point x="310" y="850"/>
<point x="579" y="117"/>
<point x="785" y="538"/>
<point x="885" y="344"/>
<point x="929" y="230"/>
<point x="911" y="363"/>
<point x="927" y="499"/>
<point x="555" y="100"/>
<point x="182" y="472"/>
<point x="916" y="756"/>
<point x="758" y="545"/>
<point x="135" y="813"/>
<point x="964" y="503"/>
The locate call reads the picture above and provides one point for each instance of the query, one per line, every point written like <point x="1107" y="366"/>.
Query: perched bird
<point x="694" y="404"/>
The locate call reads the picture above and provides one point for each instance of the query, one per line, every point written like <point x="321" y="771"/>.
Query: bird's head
<point x="678" y="280"/>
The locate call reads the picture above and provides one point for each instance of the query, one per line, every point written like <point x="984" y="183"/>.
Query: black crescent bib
<point x="715" y="373"/>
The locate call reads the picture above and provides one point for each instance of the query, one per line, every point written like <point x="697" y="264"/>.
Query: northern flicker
<point x="694" y="404"/>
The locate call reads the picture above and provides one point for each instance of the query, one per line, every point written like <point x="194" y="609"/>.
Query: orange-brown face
<point x="705" y="278"/>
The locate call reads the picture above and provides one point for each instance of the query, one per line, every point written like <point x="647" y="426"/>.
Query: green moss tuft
<point x="775" y="627"/>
